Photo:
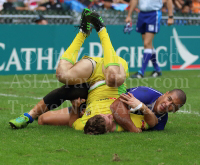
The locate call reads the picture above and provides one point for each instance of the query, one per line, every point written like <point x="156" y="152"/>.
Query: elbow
<point x="114" y="105"/>
<point x="153" y="123"/>
<point x="112" y="108"/>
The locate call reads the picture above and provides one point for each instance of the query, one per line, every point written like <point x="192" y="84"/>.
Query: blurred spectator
<point x="9" y="5"/>
<point x="75" y="5"/>
<point x="31" y="4"/>
<point x="85" y="2"/>
<point x="178" y="3"/>
<point x="51" y="5"/>
<point x="95" y="5"/>
<point x="121" y="1"/>
<point x="164" y="8"/>
<point x="107" y="3"/>
<point x="186" y="9"/>
<point x="40" y="20"/>
<point x="196" y="6"/>
<point x="1" y="4"/>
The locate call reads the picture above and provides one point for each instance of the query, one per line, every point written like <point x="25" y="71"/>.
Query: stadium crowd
<point x="183" y="6"/>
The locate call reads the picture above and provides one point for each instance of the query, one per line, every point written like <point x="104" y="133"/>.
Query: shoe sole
<point x="12" y="126"/>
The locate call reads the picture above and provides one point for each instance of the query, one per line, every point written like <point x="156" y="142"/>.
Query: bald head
<point x="180" y="94"/>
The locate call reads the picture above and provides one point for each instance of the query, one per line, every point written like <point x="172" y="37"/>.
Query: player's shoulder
<point x="144" y="89"/>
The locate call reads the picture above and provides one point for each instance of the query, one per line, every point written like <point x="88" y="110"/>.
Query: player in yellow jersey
<point x="101" y="124"/>
<point x="105" y="75"/>
<point x="111" y="68"/>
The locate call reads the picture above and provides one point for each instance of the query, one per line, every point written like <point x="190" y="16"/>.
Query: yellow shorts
<point x="97" y="74"/>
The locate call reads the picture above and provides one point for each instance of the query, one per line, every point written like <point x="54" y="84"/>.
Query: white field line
<point x="189" y="112"/>
<point x="54" y="80"/>
<point x="23" y="82"/>
<point x="30" y="97"/>
<point x="39" y="98"/>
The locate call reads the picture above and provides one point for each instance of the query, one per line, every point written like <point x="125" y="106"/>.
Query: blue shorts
<point x="149" y="22"/>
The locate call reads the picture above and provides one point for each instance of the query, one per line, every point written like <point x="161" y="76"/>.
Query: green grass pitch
<point x="178" y="144"/>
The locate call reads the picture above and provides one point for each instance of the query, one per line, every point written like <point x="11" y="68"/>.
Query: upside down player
<point x="105" y="75"/>
<point x="111" y="68"/>
<point x="106" y="80"/>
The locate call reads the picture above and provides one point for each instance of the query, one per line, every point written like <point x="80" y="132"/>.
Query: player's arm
<point x="149" y="117"/>
<point x="75" y="113"/>
<point x="170" y="12"/>
<point x="133" y="4"/>
<point x="122" y="117"/>
<point x="179" y="3"/>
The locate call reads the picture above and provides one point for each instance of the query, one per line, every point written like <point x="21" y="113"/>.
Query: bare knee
<point x="59" y="74"/>
<point x="147" y="44"/>
<point x="41" y="120"/>
<point x="112" y="81"/>
<point x="62" y="71"/>
<point x="113" y="76"/>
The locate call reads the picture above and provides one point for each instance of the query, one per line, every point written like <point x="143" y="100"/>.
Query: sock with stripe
<point x="30" y="118"/>
<point x="154" y="61"/>
<point x="110" y="56"/>
<point x="72" y="51"/>
<point x="146" y="57"/>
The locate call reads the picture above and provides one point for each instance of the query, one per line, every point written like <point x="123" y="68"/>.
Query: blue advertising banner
<point x="26" y="49"/>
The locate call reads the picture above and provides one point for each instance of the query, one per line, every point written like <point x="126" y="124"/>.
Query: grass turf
<point x="179" y="143"/>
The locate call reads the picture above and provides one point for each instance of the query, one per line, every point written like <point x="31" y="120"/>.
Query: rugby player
<point x="150" y="105"/>
<point x="152" y="115"/>
<point x="99" y="99"/>
<point x="111" y="68"/>
<point x="105" y="75"/>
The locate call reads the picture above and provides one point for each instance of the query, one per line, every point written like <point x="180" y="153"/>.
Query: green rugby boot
<point x="20" y="122"/>
<point x="84" y="24"/>
<point x="95" y="19"/>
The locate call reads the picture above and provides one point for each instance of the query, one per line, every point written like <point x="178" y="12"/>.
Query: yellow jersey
<point x="138" y="121"/>
<point x="101" y="96"/>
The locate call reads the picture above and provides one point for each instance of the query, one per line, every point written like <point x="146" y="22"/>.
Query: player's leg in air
<point x="51" y="101"/>
<point x="69" y="71"/>
<point x="114" y="72"/>
<point x="74" y="75"/>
